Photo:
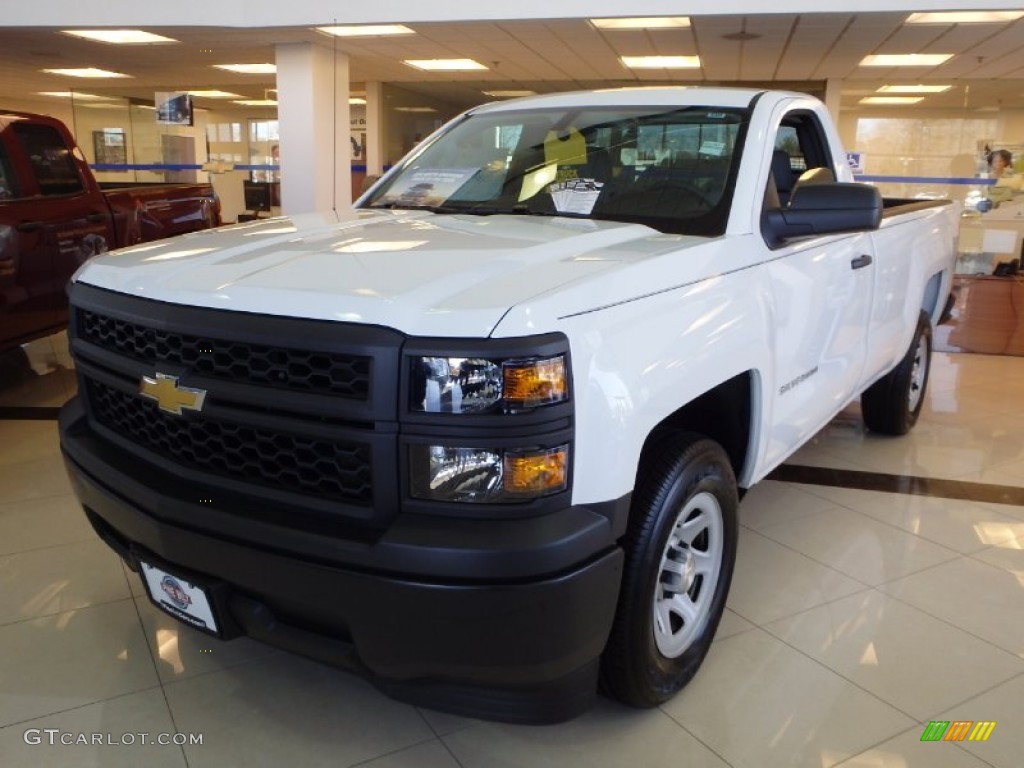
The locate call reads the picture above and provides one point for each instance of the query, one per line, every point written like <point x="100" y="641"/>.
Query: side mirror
<point x="823" y="209"/>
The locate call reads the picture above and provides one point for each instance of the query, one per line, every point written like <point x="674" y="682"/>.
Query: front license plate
<point x="179" y="597"/>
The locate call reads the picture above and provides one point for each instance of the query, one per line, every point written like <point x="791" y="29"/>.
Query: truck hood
<point x="418" y="272"/>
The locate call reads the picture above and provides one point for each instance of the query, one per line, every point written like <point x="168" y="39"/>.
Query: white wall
<point x="59" y="108"/>
<point x="931" y="143"/>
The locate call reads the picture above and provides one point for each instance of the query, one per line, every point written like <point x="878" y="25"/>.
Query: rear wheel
<point x="680" y="552"/>
<point x="892" y="404"/>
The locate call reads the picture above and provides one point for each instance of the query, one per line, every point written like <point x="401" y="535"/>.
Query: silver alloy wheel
<point x="918" y="374"/>
<point x="688" y="574"/>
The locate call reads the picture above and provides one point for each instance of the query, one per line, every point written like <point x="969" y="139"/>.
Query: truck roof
<point x="614" y="97"/>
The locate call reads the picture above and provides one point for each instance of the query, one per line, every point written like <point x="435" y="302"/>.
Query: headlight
<point x="476" y="385"/>
<point x="475" y="475"/>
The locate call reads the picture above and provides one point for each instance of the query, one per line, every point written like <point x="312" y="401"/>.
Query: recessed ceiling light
<point x="509" y="94"/>
<point x="120" y="36"/>
<point x="415" y="109"/>
<point x="356" y="100"/>
<point x="964" y="17"/>
<point x="914" y="88"/>
<point x="367" y="30"/>
<point x="445" y="65"/>
<point x="892" y="100"/>
<point x="75" y="95"/>
<point x="249" y="69"/>
<point x="645" y="22"/>
<point x="214" y="94"/>
<point x="85" y="72"/>
<point x="905" y="59"/>
<point x="256" y="102"/>
<point x="661" y="62"/>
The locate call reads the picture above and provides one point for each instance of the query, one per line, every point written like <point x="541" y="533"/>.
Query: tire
<point x="662" y="629"/>
<point x="892" y="404"/>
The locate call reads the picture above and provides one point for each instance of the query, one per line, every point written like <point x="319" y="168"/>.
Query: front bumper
<point x="504" y="622"/>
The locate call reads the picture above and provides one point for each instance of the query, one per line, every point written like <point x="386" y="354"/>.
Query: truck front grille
<point x="328" y="373"/>
<point x="298" y="427"/>
<point x="329" y="469"/>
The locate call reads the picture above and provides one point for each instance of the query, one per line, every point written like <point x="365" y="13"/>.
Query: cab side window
<point x="800" y="156"/>
<point x="54" y="167"/>
<point x="8" y="184"/>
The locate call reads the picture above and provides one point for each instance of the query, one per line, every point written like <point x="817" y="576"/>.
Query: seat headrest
<point x="782" y="170"/>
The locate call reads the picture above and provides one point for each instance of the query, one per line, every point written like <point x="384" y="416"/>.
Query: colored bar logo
<point x="958" y="730"/>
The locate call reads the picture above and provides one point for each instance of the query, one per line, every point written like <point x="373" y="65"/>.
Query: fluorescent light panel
<point x="445" y="65"/>
<point x="367" y="30"/>
<point x="964" y="17"/>
<point x="75" y="95"/>
<point x="509" y="94"/>
<point x="645" y="22"/>
<point x="214" y="94"/>
<point x="249" y="69"/>
<point x="415" y="109"/>
<point x="905" y="59"/>
<point x="256" y="102"/>
<point x="85" y="72"/>
<point x="891" y="100"/>
<point x="661" y="62"/>
<point x="356" y="100"/>
<point x="120" y="36"/>
<point x="914" y="88"/>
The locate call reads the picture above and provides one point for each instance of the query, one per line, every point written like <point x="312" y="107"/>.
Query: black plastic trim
<point x="523" y="650"/>
<point x="382" y="345"/>
<point x="435" y="546"/>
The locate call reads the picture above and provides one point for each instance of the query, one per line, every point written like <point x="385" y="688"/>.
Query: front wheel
<point x="680" y="551"/>
<point x="892" y="404"/>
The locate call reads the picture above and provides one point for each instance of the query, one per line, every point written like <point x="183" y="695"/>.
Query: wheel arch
<point x="725" y="413"/>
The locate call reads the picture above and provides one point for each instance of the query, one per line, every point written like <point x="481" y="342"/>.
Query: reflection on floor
<point x="856" y="617"/>
<point x="39" y="374"/>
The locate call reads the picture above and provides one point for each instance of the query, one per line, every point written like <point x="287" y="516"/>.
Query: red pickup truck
<point x="54" y="215"/>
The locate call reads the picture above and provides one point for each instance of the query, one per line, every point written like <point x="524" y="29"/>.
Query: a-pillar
<point x="313" y="120"/>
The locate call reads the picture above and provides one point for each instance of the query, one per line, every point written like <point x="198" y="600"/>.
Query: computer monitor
<point x="258" y="195"/>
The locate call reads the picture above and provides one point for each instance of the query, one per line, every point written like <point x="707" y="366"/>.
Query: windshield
<point x="673" y="170"/>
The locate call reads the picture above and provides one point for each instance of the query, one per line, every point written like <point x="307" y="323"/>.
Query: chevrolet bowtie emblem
<point x="169" y="396"/>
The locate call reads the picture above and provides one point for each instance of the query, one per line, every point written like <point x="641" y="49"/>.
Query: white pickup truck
<point x="482" y="438"/>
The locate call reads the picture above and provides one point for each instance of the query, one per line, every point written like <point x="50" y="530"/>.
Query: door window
<point x="51" y="160"/>
<point x="8" y="184"/>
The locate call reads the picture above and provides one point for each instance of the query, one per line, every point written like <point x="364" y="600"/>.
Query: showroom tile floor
<point x="855" y="618"/>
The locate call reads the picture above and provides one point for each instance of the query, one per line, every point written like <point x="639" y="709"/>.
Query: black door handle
<point x="95" y="218"/>
<point x="861" y="261"/>
<point x="30" y="226"/>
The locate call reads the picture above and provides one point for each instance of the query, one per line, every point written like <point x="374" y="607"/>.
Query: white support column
<point x="313" y="116"/>
<point x="833" y="97"/>
<point x="375" y="128"/>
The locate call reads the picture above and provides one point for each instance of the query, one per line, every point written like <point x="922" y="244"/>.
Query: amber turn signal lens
<point x="537" y="473"/>
<point x="536" y="382"/>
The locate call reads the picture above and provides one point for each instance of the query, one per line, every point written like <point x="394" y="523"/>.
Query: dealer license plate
<point x="179" y="597"/>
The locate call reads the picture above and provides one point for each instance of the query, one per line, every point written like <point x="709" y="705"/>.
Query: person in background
<point x="1000" y="163"/>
